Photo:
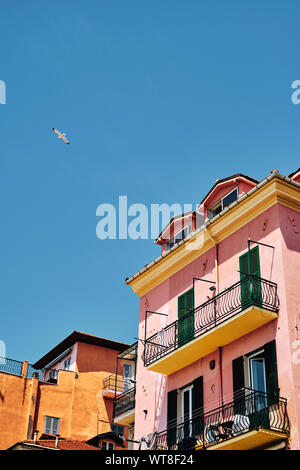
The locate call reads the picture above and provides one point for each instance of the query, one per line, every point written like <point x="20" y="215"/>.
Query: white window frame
<point x="107" y="444"/>
<point x="249" y="369"/>
<point x="183" y="418"/>
<point x="127" y="384"/>
<point x="68" y="361"/>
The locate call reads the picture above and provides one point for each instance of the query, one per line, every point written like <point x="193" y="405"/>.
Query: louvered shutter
<point x="197" y="406"/>
<point x="55" y="425"/>
<point x="238" y="385"/>
<point x="271" y="372"/>
<point x="171" y="417"/>
<point x="47" y="428"/>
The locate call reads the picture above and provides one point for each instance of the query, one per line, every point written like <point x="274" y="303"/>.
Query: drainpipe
<point x="35" y="435"/>
<point x="56" y="441"/>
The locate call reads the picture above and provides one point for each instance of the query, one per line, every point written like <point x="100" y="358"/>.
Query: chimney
<point x="56" y="441"/>
<point x="35" y="435"/>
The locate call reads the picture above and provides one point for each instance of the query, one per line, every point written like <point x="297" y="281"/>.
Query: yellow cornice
<point x="273" y="192"/>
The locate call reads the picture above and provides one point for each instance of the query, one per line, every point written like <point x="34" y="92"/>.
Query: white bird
<point x="61" y="135"/>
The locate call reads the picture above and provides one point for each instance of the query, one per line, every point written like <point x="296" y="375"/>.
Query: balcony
<point x="112" y="386"/>
<point x="238" y="310"/>
<point x="124" y="408"/>
<point x="253" y="420"/>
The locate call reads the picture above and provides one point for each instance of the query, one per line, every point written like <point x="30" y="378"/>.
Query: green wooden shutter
<point x="189" y="300"/>
<point x="250" y="289"/>
<point x="244" y="265"/>
<point x="245" y="286"/>
<point x="171" y="418"/>
<point x="181" y="306"/>
<point x="254" y="268"/>
<point x="185" y="322"/>
<point x="197" y="406"/>
<point x="271" y="372"/>
<point x="238" y="385"/>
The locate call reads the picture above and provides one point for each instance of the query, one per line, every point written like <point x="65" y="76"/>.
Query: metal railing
<point x="10" y="366"/>
<point x="110" y="383"/>
<point x="124" y="402"/>
<point x="250" y="291"/>
<point x="250" y="410"/>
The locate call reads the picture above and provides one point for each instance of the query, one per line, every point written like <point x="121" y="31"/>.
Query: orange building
<point x="64" y="393"/>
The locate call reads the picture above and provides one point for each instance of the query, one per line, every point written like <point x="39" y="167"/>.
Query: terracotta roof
<point x="63" y="444"/>
<point x="294" y="173"/>
<point x="78" y="336"/>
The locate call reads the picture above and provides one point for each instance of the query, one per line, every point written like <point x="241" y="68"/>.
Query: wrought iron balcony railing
<point x="124" y="403"/>
<point x="250" y="291"/>
<point x="113" y="383"/>
<point x="250" y="410"/>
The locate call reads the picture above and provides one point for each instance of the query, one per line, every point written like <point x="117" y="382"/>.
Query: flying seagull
<point x="61" y="135"/>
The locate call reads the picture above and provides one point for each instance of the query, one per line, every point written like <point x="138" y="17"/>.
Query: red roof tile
<point x="64" y="444"/>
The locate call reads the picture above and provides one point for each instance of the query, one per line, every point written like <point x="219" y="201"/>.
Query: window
<point x="117" y="429"/>
<point x="52" y="377"/>
<point x="178" y="237"/>
<point x="214" y="210"/>
<point x="186" y="410"/>
<point x="231" y="197"/>
<point x="257" y="378"/>
<point x="127" y="375"/>
<point x="67" y="363"/>
<point x="51" y="425"/>
<point x="224" y="202"/>
<point x="107" y="445"/>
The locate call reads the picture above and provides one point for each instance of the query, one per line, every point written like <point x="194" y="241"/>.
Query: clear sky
<point x="159" y="99"/>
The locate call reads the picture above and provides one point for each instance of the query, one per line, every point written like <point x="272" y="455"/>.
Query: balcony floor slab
<point x="250" y="440"/>
<point x="226" y="332"/>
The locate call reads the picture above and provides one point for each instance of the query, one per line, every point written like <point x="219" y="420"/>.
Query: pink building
<point x="219" y="352"/>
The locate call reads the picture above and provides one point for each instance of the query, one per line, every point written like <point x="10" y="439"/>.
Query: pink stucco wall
<point x="278" y="226"/>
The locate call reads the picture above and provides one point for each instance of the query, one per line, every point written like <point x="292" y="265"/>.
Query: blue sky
<point x="158" y="99"/>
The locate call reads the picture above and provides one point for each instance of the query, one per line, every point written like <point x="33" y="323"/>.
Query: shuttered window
<point x="51" y="425"/>
<point x="185" y="322"/>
